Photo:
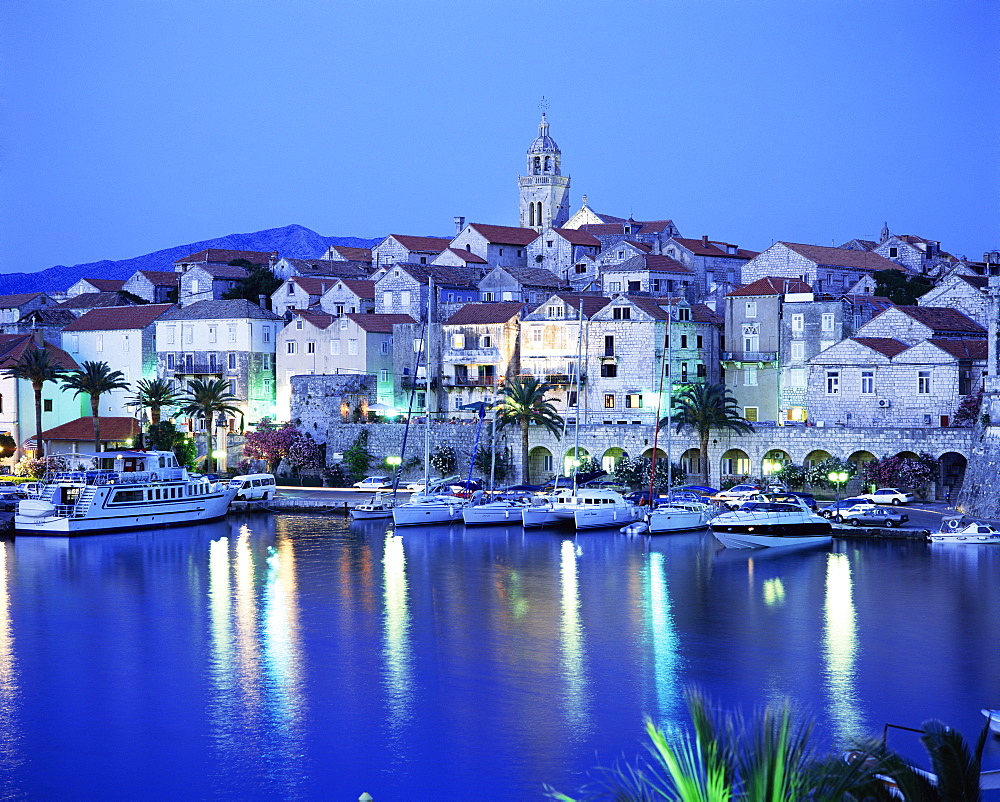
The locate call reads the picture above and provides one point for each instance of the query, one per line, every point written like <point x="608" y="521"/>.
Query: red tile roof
<point x="223" y="256"/>
<point x="379" y="324"/>
<point x="113" y="429"/>
<point x="467" y="256"/>
<point x="942" y="319"/>
<point x="642" y="246"/>
<point x="703" y="314"/>
<point x="363" y="289"/>
<point x="222" y="271"/>
<point x="161" y="278"/>
<point x="318" y="319"/>
<point x="12" y="346"/>
<point x="843" y="257"/>
<point x="651" y="262"/>
<point x="883" y="345"/>
<point x="353" y="254"/>
<point x="772" y="285"/>
<point x="963" y="349"/>
<point x="505" y="235"/>
<point x="532" y="276"/>
<point x="11" y="301"/>
<point x="486" y="313"/>
<point x="110" y="318"/>
<point x="576" y="237"/>
<point x="421" y="244"/>
<point x="979" y="282"/>
<point x="592" y="304"/>
<point x="93" y="300"/>
<point x="105" y="284"/>
<point x="714" y="248"/>
<point x="314" y="285"/>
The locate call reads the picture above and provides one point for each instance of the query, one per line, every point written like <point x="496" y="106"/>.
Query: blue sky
<point x="134" y="126"/>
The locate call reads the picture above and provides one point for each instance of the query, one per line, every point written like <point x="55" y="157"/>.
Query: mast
<point x="427" y="381"/>
<point x="576" y="425"/>
<point x="665" y="361"/>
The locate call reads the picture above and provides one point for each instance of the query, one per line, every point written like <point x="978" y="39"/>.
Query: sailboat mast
<point x="427" y="383"/>
<point x="576" y="425"/>
<point x="664" y="362"/>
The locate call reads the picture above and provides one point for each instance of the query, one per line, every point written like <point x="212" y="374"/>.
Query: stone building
<point x="87" y="285"/>
<point x="328" y="403"/>
<point x="14" y="307"/>
<point x="83" y="303"/>
<point x="155" y="286"/>
<point x="404" y="249"/>
<point x="207" y="282"/>
<point x="963" y="292"/>
<point x="288" y="267"/>
<point x="500" y="246"/>
<point x="617" y="229"/>
<point x="455" y="257"/>
<point x="564" y="252"/>
<point x="344" y="253"/>
<point x="349" y="295"/>
<point x="651" y="274"/>
<point x="524" y="284"/>
<point x="223" y="256"/>
<point x="231" y="340"/>
<point x="299" y="292"/>
<point x="544" y="190"/>
<point x="125" y="338"/>
<point x="717" y="265"/>
<point x="403" y="289"/>
<point x="830" y="270"/>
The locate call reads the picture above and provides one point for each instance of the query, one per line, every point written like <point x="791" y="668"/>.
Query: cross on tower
<point x="544" y="105"/>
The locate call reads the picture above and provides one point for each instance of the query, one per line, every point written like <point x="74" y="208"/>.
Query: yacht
<point x="760" y="524"/>
<point x="678" y="516"/>
<point x="124" y="490"/>
<point x="501" y="511"/>
<point x="580" y="509"/>
<point x="434" y="505"/>
<point x="958" y="532"/>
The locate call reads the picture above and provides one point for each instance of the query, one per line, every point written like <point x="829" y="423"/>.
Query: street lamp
<point x="838" y="478"/>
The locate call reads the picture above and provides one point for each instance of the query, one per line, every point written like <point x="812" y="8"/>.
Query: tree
<point x="154" y="394"/>
<point x="524" y="403"/>
<point x="36" y="366"/>
<point x="705" y="408"/>
<point x="968" y="410"/>
<point x="493" y="459"/>
<point x="444" y="460"/>
<point x="899" y="287"/>
<point x="203" y="400"/>
<point x="260" y="280"/>
<point x="900" y="471"/>
<point x="357" y="457"/>
<point x="635" y="472"/>
<point x="95" y="379"/>
<point x="164" y="436"/>
<point x="819" y="474"/>
<point x="305" y="454"/>
<point x="270" y="443"/>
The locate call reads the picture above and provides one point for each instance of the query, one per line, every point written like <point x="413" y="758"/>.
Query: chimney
<point x="262" y="301"/>
<point x="704" y="240"/>
<point x="459" y="225"/>
<point x="272" y="260"/>
<point x="37" y="339"/>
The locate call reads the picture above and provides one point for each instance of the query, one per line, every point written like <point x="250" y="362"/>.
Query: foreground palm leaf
<point x="154" y="395"/>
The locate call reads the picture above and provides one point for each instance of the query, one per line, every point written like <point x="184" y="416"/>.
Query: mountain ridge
<point x="292" y="240"/>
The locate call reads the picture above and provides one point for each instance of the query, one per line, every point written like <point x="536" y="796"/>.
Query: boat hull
<point x="485" y="514"/>
<point x="664" y="522"/>
<point x="425" y="514"/>
<point x="605" y="517"/>
<point x="774" y="535"/>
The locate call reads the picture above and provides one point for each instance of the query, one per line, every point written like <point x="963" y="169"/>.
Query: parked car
<point x="415" y="487"/>
<point x="889" y="495"/>
<point x="832" y="510"/>
<point x="374" y="482"/>
<point x="9" y="501"/>
<point x="869" y="515"/>
<point x="641" y="497"/>
<point x="735" y="492"/>
<point x="13" y="488"/>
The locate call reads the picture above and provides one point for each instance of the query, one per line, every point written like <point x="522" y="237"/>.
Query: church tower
<point x="544" y="190"/>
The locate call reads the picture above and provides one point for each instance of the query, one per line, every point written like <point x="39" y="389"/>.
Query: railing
<point x="100" y="477"/>
<point x="750" y="356"/>
<point x="471" y="381"/>
<point x="198" y="367"/>
<point x="420" y="382"/>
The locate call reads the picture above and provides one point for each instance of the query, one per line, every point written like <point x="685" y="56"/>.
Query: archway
<point x="691" y="462"/>
<point x="859" y="458"/>
<point x="951" y="475"/>
<point x="611" y="458"/>
<point x="735" y="464"/>
<point x="773" y="461"/>
<point x="539" y="466"/>
<point x="660" y="454"/>
<point x="815" y="457"/>
<point x="573" y="458"/>
<point x="907" y="455"/>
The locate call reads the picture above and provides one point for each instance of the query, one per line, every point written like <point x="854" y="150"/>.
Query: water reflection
<point x="666" y="659"/>
<point x="396" y="632"/>
<point x="10" y="756"/>
<point x="571" y="641"/>
<point x="840" y="647"/>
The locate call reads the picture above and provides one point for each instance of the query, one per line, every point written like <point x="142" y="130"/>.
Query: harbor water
<point x="299" y="657"/>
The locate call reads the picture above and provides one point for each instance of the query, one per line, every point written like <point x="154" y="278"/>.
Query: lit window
<point x="750" y="414"/>
<point x="609" y="401"/>
<point x="633" y="401"/>
<point x="458" y="341"/>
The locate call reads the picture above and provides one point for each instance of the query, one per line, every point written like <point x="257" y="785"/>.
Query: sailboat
<point x="434" y="504"/>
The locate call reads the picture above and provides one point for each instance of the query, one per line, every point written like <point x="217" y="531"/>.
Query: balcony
<point x="198" y="368"/>
<point x="564" y="378"/>
<point x="471" y="381"/>
<point x="420" y="382"/>
<point x="749" y="356"/>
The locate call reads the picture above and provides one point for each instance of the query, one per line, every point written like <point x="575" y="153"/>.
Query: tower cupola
<point x="544" y="190"/>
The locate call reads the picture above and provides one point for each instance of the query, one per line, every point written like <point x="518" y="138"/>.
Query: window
<point x="684" y="313"/>
<point x="99" y="342"/>
<point x="554" y="312"/>
<point x="335" y="347"/>
<point x="232" y="361"/>
<point x="232" y="334"/>
<point x="486" y="341"/>
<point x="189" y="363"/>
<point x="268" y="361"/>
<point x="423" y="260"/>
<point x="867" y="382"/>
<point x="656" y="284"/>
<point x="634" y="286"/>
<point x="194" y="285"/>
<point x="581" y="268"/>
<point x="298" y="324"/>
<point x="383" y="375"/>
<point x="684" y="371"/>
<point x="267" y="333"/>
<point x="798" y="322"/>
<point x="571" y="398"/>
<point x="622" y="313"/>
<point x="536" y="334"/>
<point x="614" y="286"/>
<point x="797" y="377"/>
<point x="170" y="361"/>
<point x="212" y="336"/>
<point x="343" y="323"/>
<point x="684" y="341"/>
<point x="508" y="296"/>
<point x="750" y="413"/>
<point x="609" y="345"/>
<point x="311" y="347"/>
<point x="290" y="346"/>
<point x="487" y="297"/>
<point x="833" y="382"/>
<point x="827" y="321"/>
<point x="751" y="310"/>
<point x="923" y="382"/>
<point x="418" y="345"/>
<point x="404" y="298"/>
<point x="188" y="335"/>
<point x="125" y="342"/>
<point x="633" y="401"/>
<point x="701" y="342"/>
<point x="232" y="386"/>
<point x="750" y="376"/>
<point x="458" y="341"/>
<point x="609" y="371"/>
<point x="170" y="334"/>
<point x="352" y="347"/>
<point x="701" y="373"/>
<point x="893" y="252"/>
<point x="212" y="366"/>
<point x="798" y="351"/>
<point x="387" y="299"/>
<point x="47" y="405"/>
<point x="548" y="244"/>
<point x="385" y="347"/>
<point x="609" y="401"/>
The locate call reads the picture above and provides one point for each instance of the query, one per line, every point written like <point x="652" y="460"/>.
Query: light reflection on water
<point x="299" y="657"/>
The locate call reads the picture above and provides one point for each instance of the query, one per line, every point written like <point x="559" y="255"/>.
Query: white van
<point x="255" y="487"/>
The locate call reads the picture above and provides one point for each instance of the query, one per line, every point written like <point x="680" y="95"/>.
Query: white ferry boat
<point x="125" y="490"/>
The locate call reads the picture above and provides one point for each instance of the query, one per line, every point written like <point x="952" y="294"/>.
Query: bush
<point x="968" y="410"/>
<point x="916" y="474"/>
<point x="819" y="474"/>
<point x="444" y="461"/>
<point x="501" y="468"/>
<point x="634" y="473"/>
<point x="357" y="458"/>
<point x="792" y="475"/>
<point x="39" y="467"/>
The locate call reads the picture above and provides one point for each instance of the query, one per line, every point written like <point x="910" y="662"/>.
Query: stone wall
<point x="318" y="402"/>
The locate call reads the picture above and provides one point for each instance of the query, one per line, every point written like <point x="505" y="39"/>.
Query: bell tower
<point x="544" y="189"/>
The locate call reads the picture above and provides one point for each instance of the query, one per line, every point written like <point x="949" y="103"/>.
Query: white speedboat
<point x="993" y="718"/>
<point x="771" y="524"/>
<point x="584" y="509"/>
<point x="678" y="516"/>
<point x="126" y="490"/>
<point x="380" y="506"/>
<point x="958" y="532"/>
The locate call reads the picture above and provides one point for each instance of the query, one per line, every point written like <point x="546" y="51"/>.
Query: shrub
<point x="357" y="458"/>
<point x="968" y="410"/>
<point x="819" y="473"/>
<point x="444" y="460"/>
<point x="901" y="471"/>
<point x="792" y="475"/>
<point x="38" y="467"/>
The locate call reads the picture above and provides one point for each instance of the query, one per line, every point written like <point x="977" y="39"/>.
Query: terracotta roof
<point x="445" y="276"/>
<point x="363" y="289"/>
<point x="118" y="317"/>
<point x="93" y="300"/>
<point x="942" y="319"/>
<point x="105" y="284"/>
<point x="505" y="235"/>
<point x="576" y="237"/>
<point x="13" y="345"/>
<point x="592" y="304"/>
<point x="979" y="282"/>
<point x="220" y="310"/>
<point x="642" y="246"/>
<point x="10" y="301"/>
<point x="713" y="248"/>
<point x="883" y="345"/>
<point x="421" y="244"/>
<point x="703" y="314"/>
<point x="353" y="254"/>
<point x="962" y="348"/>
<point x="113" y="429"/>
<point x="379" y="324"/>
<point x="655" y="226"/>
<point x="650" y="262"/>
<point x="314" y="285"/>
<point x="223" y="256"/>
<point x="161" y="278"/>
<point x="649" y="306"/>
<point x="467" y="256"/>
<point x="487" y="313"/>
<point x="330" y="268"/>
<point x="532" y="276"/>
<point x="48" y="317"/>
<point x="843" y="257"/>
<point x="318" y="319"/>
<point x="772" y="285"/>
<point x="222" y="271"/>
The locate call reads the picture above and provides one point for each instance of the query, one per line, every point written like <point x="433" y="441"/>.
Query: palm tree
<point x="524" y="403"/>
<point x="36" y="366"/>
<point x="203" y="399"/>
<point x="95" y="379"/>
<point x="154" y="394"/>
<point x="704" y="408"/>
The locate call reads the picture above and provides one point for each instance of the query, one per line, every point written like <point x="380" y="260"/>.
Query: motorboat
<point x="762" y="524"/>
<point x="993" y="718"/>
<point x="380" y="506"/>
<point x="959" y="532"/>
<point x="678" y="516"/>
<point x="582" y="509"/>
<point x="125" y="490"/>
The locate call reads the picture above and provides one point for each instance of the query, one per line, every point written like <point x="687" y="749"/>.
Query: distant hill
<point x="294" y="240"/>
